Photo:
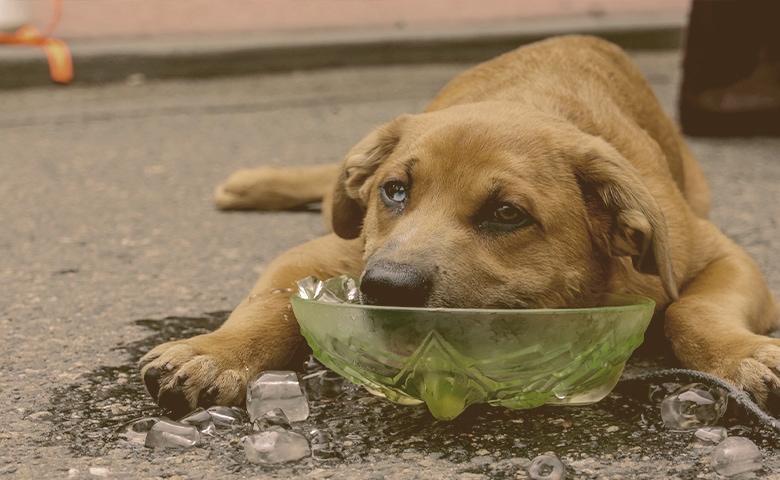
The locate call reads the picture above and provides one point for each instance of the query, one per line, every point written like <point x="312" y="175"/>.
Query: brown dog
<point x="542" y="178"/>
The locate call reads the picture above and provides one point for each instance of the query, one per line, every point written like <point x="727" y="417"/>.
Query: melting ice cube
<point x="324" y="384"/>
<point x="272" y="419"/>
<point x="200" y="419"/>
<point x="169" y="434"/>
<point x="277" y="389"/>
<point x="227" y="417"/>
<point x="336" y="290"/>
<point x="339" y="289"/>
<point x="712" y="435"/>
<point x="135" y="432"/>
<point x="546" y="467"/>
<point x="736" y="455"/>
<point x="309" y="287"/>
<point x="275" y="446"/>
<point x="321" y="382"/>
<point x="693" y="406"/>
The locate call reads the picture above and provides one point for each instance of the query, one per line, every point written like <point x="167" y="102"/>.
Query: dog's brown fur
<point x="568" y="131"/>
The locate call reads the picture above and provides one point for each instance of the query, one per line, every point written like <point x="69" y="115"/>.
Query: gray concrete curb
<point x="161" y="58"/>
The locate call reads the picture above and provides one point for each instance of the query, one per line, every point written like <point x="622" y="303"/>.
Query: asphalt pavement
<point x="109" y="243"/>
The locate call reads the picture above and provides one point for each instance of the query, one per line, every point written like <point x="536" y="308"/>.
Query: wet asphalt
<point x="109" y="245"/>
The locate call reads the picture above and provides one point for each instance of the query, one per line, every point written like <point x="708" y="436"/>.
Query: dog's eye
<point x="394" y="191"/>
<point x="508" y="214"/>
<point x="504" y="217"/>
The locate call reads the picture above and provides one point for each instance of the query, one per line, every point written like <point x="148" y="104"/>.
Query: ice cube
<point x="693" y="406"/>
<point x="169" y="434"/>
<point x="713" y="435"/>
<point x="736" y="455"/>
<point x="200" y="419"/>
<point x="275" y="446"/>
<point x="320" y="381"/>
<point x="227" y="417"/>
<point x="323" y="384"/>
<point x="546" y="467"/>
<point x="277" y="389"/>
<point x="135" y="431"/>
<point x="312" y="365"/>
<point x="309" y="287"/>
<point x="273" y="418"/>
<point x="338" y="290"/>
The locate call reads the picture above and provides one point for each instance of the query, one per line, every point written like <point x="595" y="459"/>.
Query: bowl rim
<point x="639" y="302"/>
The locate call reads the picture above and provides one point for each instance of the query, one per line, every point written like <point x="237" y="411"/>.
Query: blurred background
<point x="99" y="19"/>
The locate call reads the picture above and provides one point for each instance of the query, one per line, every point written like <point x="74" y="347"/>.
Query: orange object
<point x="57" y="52"/>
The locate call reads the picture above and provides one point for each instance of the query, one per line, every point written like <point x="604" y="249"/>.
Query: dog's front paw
<point x="758" y="373"/>
<point x="198" y="372"/>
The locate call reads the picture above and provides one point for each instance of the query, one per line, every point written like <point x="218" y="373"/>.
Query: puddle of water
<point x="86" y="413"/>
<point x="626" y="425"/>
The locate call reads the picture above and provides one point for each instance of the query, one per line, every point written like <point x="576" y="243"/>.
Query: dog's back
<point x="570" y="76"/>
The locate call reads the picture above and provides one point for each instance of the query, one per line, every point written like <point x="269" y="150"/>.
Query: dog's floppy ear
<point x="638" y="227"/>
<point x="353" y="186"/>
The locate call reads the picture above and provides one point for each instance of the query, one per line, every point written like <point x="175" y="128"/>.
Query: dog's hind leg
<point x="274" y="188"/>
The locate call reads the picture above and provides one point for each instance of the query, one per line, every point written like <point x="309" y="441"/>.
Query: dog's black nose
<point x="394" y="284"/>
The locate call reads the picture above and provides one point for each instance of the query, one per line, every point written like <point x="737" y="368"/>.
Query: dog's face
<point x="484" y="206"/>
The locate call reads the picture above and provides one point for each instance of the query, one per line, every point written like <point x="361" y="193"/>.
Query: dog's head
<point x="486" y="205"/>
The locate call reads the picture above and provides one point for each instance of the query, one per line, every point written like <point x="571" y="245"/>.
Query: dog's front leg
<point x="260" y="334"/>
<point x="720" y="322"/>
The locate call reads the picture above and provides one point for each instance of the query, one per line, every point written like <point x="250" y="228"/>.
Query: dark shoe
<point x="731" y="69"/>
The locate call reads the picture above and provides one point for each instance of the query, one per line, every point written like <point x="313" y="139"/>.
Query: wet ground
<point x="110" y="246"/>
<point x="626" y="428"/>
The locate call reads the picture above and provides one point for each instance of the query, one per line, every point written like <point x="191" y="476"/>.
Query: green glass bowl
<point x="452" y="358"/>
